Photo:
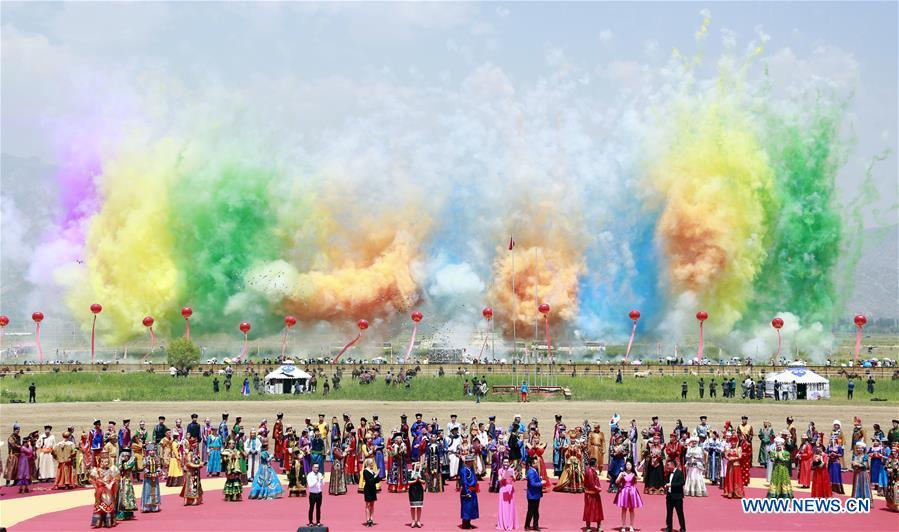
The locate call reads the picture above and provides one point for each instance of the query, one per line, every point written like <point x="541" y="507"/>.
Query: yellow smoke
<point x="128" y="250"/>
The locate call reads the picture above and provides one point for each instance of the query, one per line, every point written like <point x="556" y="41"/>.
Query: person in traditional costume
<point x="64" y="453"/>
<point x="433" y="470"/>
<point x="84" y="461"/>
<point x="877" y="454"/>
<point x="619" y="452"/>
<point x="835" y="464"/>
<point x="572" y="478"/>
<point x="507" y="519"/>
<point x="478" y="449"/>
<point x="396" y="469"/>
<point x="278" y="436"/>
<point x="820" y="477"/>
<point x="766" y="438"/>
<point x="592" y="501"/>
<point x="632" y="438"/>
<point x="745" y="429"/>
<point x="126" y="503"/>
<point x="596" y="445"/>
<point x="151" y="499"/>
<point x="253" y="449"/>
<point x="858" y="431"/>
<point x="137" y="451"/>
<point x="837" y="433"/>
<point x="96" y="440"/>
<point x="296" y="477"/>
<point x="105" y="479"/>
<point x="468" y="497"/>
<point x="175" y="476"/>
<point x="233" y="490"/>
<point x="192" y="489"/>
<point x="265" y="483"/>
<point x="892" y="469"/>
<point x="780" y="486"/>
<point x="628" y="497"/>
<point x="214" y="446"/>
<point x="337" y="484"/>
<point x="861" y="479"/>
<point x="536" y="450"/>
<point x="46" y="465"/>
<point x="732" y="485"/>
<point x="317" y="450"/>
<point x="560" y="443"/>
<point x="377" y="443"/>
<point x="673" y="451"/>
<point x="24" y="469"/>
<point x="694" y="480"/>
<point x="653" y="467"/>
<point x="805" y="455"/>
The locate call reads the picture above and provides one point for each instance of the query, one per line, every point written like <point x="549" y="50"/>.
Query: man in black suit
<point x="674" y="499"/>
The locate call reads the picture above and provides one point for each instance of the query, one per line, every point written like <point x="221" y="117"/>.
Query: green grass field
<point x="155" y="387"/>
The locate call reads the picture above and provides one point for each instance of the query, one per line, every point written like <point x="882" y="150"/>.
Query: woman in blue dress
<point x="861" y="480"/>
<point x="834" y="466"/>
<point x="266" y="484"/>
<point x="378" y="443"/>
<point x="151" y="499"/>
<point x="877" y="456"/>
<point x="214" y="450"/>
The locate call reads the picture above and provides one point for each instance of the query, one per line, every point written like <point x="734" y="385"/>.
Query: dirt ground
<point x="80" y="415"/>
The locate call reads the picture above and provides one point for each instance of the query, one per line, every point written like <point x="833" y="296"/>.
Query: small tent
<point x="798" y="383"/>
<point x="284" y="379"/>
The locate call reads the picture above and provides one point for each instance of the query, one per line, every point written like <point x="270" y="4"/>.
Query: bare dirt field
<point x="80" y="415"/>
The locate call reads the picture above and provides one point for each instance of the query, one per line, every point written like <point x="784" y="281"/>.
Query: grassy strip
<point x="156" y="387"/>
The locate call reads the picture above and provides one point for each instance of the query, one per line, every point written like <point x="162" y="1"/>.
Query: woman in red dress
<point x="592" y="502"/>
<point x="820" y="474"/>
<point x="537" y="448"/>
<point x="673" y="454"/>
<point x="805" y="456"/>
<point x="349" y="460"/>
<point x="746" y="449"/>
<point x="733" y="477"/>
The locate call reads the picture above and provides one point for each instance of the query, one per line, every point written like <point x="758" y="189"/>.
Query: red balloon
<point x="777" y="323"/>
<point x="702" y="315"/>
<point x="860" y="320"/>
<point x="634" y="315"/>
<point x="362" y="324"/>
<point x="290" y="321"/>
<point x="488" y="312"/>
<point x="148" y="321"/>
<point x="417" y="316"/>
<point x="245" y="327"/>
<point x="4" y="321"/>
<point x="187" y="312"/>
<point x="38" y="317"/>
<point x="96" y="308"/>
<point x="543" y="308"/>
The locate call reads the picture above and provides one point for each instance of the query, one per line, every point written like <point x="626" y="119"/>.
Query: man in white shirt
<point x="314" y="482"/>
<point x="453" y="423"/>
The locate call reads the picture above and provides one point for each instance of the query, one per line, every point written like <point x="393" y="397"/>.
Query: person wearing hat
<point x="861" y="479"/>
<point x="105" y="478"/>
<point x="194" y="429"/>
<point x="151" y="499"/>
<point x="596" y="445"/>
<point x="779" y="486"/>
<point x="453" y="443"/>
<point x="158" y="431"/>
<point x="468" y="496"/>
<point x="46" y="465"/>
<point x="714" y="450"/>
<point x="892" y="489"/>
<point x="694" y="481"/>
<point x="223" y="427"/>
<point x="858" y="431"/>
<point x="64" y="453"/>
<point x="805" y="455"/>
<point x="279" y="448"/>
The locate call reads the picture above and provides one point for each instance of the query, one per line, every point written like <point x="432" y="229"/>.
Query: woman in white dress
<point x="694" y="486"/>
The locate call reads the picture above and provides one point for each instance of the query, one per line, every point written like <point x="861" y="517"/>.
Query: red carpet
<point x="441" y="512"/>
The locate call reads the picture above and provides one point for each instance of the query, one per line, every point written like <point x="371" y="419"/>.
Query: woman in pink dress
<point x="627" y="498"/>
<point x="507" y="518"/>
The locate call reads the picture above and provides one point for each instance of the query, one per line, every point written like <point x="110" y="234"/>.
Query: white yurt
<point x="283" y="379"/>
<point x="798" y="383"/>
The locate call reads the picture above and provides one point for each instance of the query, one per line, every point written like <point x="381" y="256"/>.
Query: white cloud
<point x="455" y="280"/>
<point x="606" y="35"/>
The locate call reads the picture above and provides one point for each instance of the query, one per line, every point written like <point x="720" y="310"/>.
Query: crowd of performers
<point x="427" y="457"/>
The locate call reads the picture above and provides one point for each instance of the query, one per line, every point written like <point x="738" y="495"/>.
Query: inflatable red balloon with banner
<point x="488" y="313"/>
<point x="148" y="322"/>
<point x="186" y="313"/>
<point x="634" y="315"/>
<point x="860" y="321"/>
<point x="245" y="329"/>
<point x="416" y="317"/>
<point x="4" y="321"/>
<point x="778" y="324"/>
<point x="361" y="325"/>
<point x="289" y="322"/>
<point x="37" y="318"/>
<point x="701" y="316"/>
<point x="96" y="308"/>
<point x="544" y="309"/>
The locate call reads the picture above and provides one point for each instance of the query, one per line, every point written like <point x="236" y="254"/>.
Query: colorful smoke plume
<point x="707" y="194"/>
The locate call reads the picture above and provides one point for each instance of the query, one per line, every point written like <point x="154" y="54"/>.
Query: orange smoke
<point x="553" y="272"/>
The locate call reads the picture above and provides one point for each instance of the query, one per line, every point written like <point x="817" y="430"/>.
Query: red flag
<point x="511" y="243"/>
